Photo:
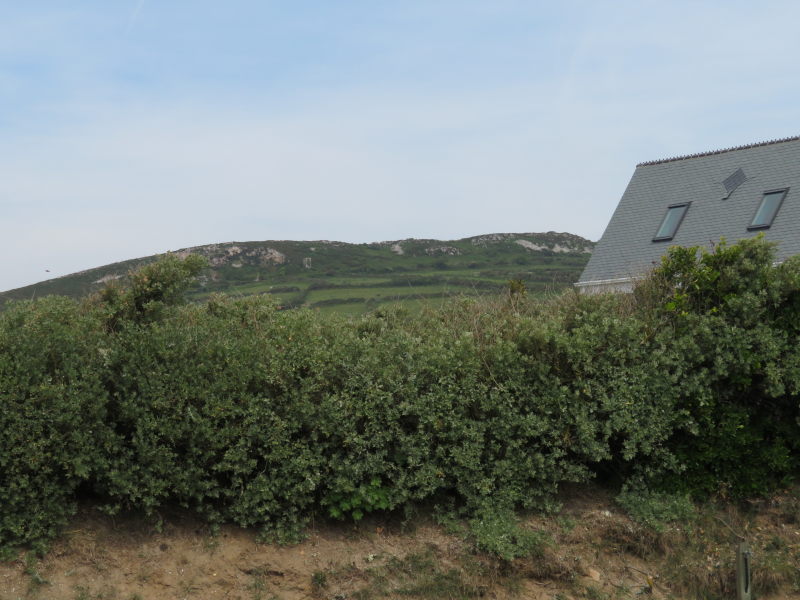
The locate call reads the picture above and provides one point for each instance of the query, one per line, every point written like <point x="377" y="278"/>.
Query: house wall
<point x="623" y="286"/>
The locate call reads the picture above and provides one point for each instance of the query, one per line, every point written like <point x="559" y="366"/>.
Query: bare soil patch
<point x="594" y="551"/>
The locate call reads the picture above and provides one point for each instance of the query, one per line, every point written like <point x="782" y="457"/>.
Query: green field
<point x="355" y="278"/>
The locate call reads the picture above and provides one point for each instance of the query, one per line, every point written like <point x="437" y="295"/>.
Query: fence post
<point x="743" y="582"/>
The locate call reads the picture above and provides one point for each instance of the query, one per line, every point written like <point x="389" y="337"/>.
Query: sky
<point x="134" y="127"/>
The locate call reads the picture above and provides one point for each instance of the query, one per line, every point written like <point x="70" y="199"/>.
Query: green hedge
<point x="734" y="320"/>
<point x="53" y="421"/>
<point x="249" y="414"/>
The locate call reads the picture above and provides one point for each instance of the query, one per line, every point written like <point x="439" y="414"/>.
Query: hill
<point x="353" y="278"/>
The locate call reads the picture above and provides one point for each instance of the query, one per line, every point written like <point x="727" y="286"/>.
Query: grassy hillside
<point x="353" y="278"/>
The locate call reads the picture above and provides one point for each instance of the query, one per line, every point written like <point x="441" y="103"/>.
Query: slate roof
<point x="627" y="248"/>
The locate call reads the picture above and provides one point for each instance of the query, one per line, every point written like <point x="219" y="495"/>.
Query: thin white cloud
<point x="135" y="15"/>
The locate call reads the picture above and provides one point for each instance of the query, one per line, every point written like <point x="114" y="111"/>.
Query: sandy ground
<point x="595" y="555"/>
<point x="101" y="558"/>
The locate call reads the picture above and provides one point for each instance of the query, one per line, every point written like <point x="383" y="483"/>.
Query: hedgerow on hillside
<point x="263" y="417"/>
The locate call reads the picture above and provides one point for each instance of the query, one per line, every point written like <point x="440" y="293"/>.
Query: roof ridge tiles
<point x="720" y="151"/>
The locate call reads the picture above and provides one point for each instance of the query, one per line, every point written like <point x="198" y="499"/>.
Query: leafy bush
<point x="150" y="290"/>
<point x="246" y="413"/>
<point x="53" y="433"/>
<point x="657" y="509"/>
<point x="214" y="409"/>
<point x="500" y="533"/>
<point x="733" y="319"/>
<point x="361" y="500"/>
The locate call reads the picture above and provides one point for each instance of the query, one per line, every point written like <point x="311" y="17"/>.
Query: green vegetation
<point x="352" y="279"/>
<point x="498" y="532"/>
<point x="263" y="417"/>
<point x="416" y="575"/>
<point x="657" y="510"/>
<point x="733" y="320"/>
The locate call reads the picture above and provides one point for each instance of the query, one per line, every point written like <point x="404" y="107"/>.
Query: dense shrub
<point x="246" y="413"/>
<point x="150" y="290"/>
<point x="734" y="319"/>
<point x="53" y="434"/>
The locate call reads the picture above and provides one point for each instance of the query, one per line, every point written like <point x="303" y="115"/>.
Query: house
<point x="695" y="200"/>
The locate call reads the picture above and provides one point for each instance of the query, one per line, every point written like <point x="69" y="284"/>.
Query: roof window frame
<point x="764" y="194"/>
<point x="666" y="238"/>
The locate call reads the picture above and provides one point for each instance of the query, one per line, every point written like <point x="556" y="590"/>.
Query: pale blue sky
<point x="131" y="127"/>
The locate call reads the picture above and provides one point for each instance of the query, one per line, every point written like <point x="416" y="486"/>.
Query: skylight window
<point x="733" y="181"/>
<point x="770" y="204"/>
<point x="672" y="220"/>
